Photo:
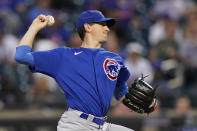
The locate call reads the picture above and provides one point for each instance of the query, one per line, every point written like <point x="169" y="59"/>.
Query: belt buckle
<point x="90" y="117"/>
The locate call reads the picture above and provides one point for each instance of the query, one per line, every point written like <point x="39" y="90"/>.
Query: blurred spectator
<point x="21" y="6"/>
<point x="13" y="81"/>
<point x="168" y="47"/>
<point x="158" y="120"/>
<point x="168" y="79"/>
<point x="121" y="9"/>
<point x="137" y="30"/>
<point x="43" y="85"/>
<point x="137" y="64"/>
<point x="8" y="5"/>
<point x="10" y="21"/>
<point x="75" y="40"/>
<point x="188" y="48"/>
<point x="174" y="8"/>
<point x="183" y="106"/>
<point x="10" y="13"/>
<point x="165" y="59"/>
<point x="8" y="43"/>
<point x="42" y="7"/>
<point x="156" y="32"/>
<point x="183" y="116"/>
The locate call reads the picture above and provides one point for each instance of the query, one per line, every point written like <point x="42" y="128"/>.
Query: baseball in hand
<point x="51" y="20"/>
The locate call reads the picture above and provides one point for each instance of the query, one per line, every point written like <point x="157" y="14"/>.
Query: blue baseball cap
<point x="93" y="16"/>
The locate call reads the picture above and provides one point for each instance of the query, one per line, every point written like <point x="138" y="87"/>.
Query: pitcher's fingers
<point x="42" y="18"/>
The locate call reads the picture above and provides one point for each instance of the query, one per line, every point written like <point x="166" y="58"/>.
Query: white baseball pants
<point x="71" y="121"/>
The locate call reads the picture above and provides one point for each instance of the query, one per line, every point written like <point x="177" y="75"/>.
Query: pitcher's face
<point x="100" y="31"/>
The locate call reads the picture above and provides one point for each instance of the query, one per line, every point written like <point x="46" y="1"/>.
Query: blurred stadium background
<point x="155" y="37"/>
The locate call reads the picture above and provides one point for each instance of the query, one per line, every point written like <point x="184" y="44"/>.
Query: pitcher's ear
<point x="87" y="27"/>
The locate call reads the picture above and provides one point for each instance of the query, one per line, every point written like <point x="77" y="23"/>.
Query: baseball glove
<point x="140" y="97"/>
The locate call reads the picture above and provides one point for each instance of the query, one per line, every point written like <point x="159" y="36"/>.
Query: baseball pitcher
<point x="89" y="75"/>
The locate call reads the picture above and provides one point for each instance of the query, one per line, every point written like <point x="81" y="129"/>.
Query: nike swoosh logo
<point x="77" y="53"/>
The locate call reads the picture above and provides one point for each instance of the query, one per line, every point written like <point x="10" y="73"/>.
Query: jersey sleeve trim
<point x="23" y="55"/>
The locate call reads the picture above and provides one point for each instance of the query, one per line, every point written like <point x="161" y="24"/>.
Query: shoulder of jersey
<point x="111" y="54"/>
<point x="63" y="48"/>
<point x="71" y="50"/>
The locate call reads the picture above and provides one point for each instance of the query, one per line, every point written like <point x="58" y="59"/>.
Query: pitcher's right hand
<point x="39" y="22"/>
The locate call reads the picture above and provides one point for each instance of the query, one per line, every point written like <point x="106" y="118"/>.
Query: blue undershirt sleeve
<point x="23" y="55"/>
<point x="120" y="91"/>
<point x="121" y="85"/>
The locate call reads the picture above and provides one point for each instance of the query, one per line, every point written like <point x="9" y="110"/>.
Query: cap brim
<point x="110" y="21"/>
